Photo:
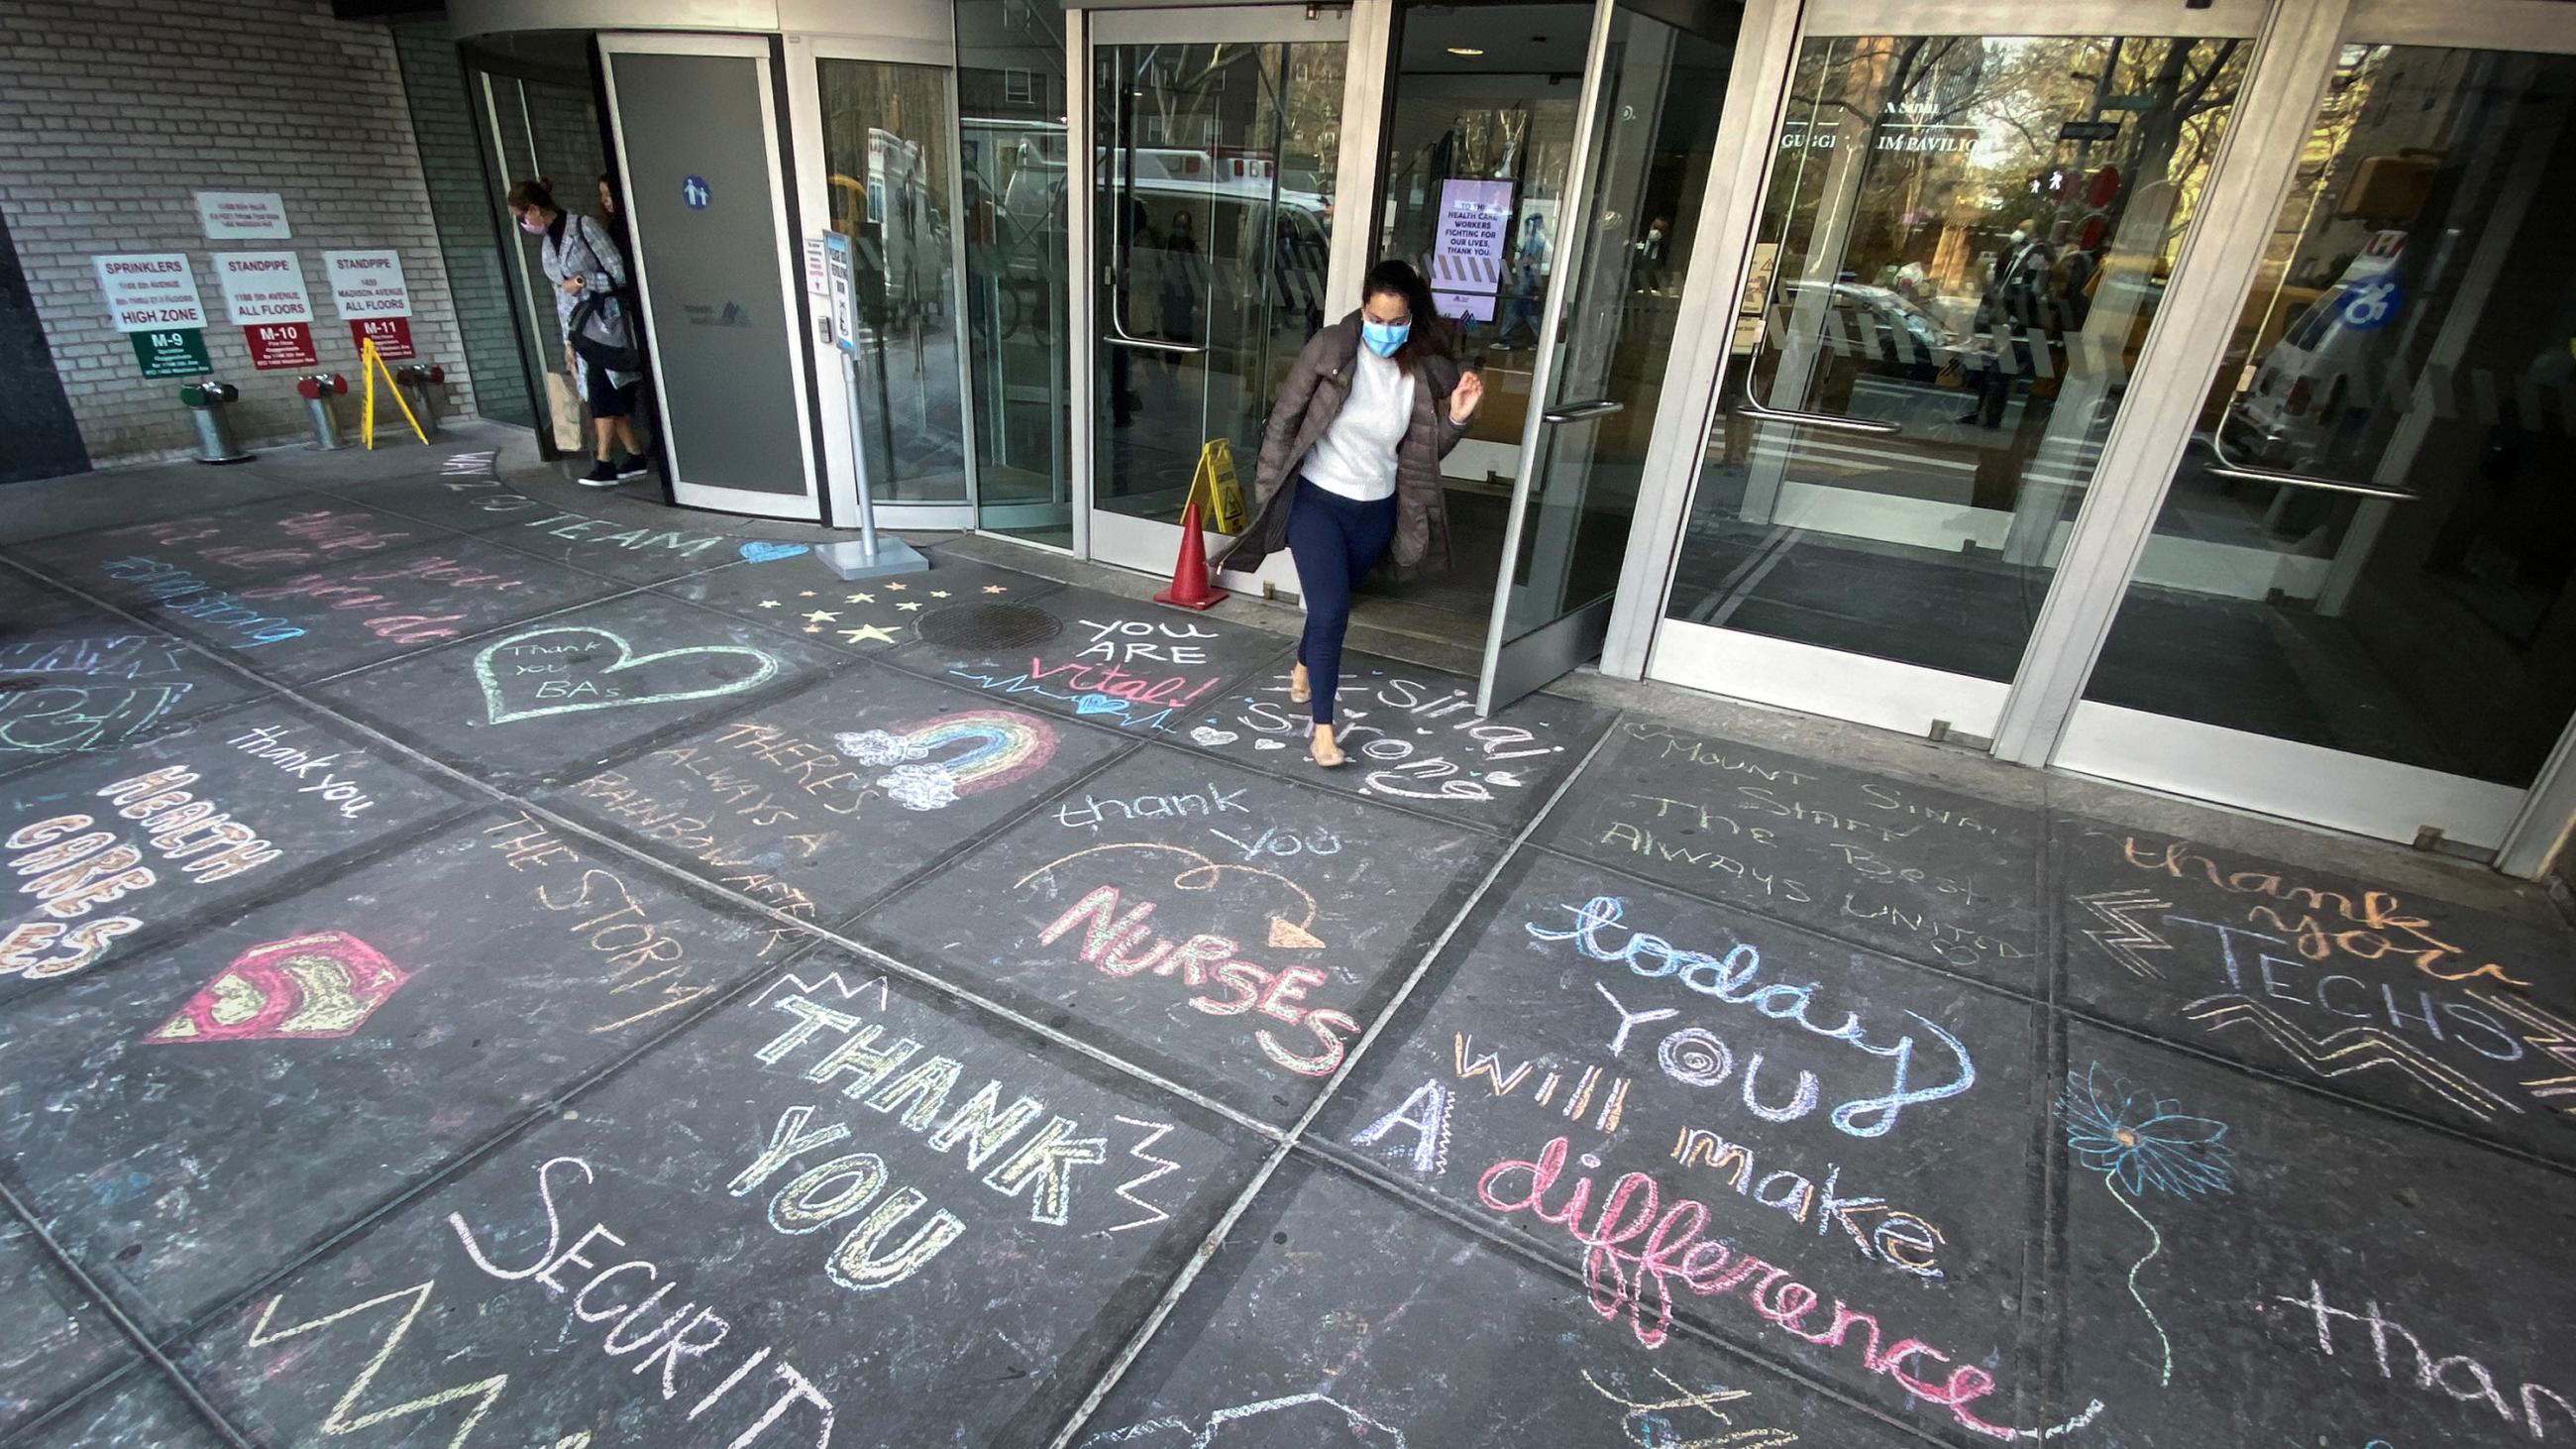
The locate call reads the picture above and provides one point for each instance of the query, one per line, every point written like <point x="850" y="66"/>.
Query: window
<point x="1018" y="87"/>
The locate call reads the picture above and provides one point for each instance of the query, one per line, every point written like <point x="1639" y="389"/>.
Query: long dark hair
<point x="1430" y="334"/>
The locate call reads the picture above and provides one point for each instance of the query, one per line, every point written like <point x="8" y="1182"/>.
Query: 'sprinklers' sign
<point x="149" y="291"/>
<point x="367" y="284"/>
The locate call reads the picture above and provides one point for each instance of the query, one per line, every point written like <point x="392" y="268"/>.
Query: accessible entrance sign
<point x="264" y="292"/>
<point x="367" y="288"/>
<point x="152" y="298"/>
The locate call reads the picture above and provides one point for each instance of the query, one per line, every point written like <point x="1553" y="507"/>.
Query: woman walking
<point x="589" y="270"/>
<point x="1350" y="467"/>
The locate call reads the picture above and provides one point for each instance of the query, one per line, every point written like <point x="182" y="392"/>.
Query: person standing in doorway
<point x="1350" y="467"/>
<point x="2018" y="298"/>
<point x="612" y="216"/>
<point x="588" y="271"/>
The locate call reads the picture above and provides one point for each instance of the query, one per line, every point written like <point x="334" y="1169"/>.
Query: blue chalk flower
<point x="2123" y="1131"/>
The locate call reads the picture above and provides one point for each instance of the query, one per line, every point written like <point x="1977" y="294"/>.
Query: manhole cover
<point x="989" y="626"/>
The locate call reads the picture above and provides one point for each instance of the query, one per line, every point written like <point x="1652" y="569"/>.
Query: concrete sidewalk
<point x="495" y="971"/>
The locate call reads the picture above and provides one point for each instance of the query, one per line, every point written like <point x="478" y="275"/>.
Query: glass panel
<point x="887" y="142"/>
<point x="1661" y="91"/>
<point x="2415" y="330"/>
<point x="1011" y="91"/>
<point x="1213" y="230"/>
<point x="1480" y="132"/>
<point x="1963" y="245"/>
<point x="704" y="179"/>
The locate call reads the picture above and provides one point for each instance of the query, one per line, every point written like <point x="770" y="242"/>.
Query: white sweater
<point x="1356" y="456"/>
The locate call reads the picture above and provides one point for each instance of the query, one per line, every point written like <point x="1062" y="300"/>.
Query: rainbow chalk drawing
<point x="929" y="770"/>
<point x="2129" y="1135"/>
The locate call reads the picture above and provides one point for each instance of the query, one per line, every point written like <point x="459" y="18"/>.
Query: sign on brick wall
<point x="242" y="215"/>
<point x="149" y="291"/>
<point x="264" y="292"/>
<point x="367" y="288"/>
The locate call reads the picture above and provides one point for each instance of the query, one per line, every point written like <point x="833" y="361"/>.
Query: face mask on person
<point x="528" y="223"/>
<point x="1384" y="337"/>
<point x="2019" y="236"/>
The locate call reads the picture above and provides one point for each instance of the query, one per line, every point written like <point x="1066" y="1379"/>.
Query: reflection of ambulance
<point x="2321" y="365"/>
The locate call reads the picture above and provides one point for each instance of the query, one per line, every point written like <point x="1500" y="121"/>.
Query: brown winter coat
<point x="1308" y="402"/>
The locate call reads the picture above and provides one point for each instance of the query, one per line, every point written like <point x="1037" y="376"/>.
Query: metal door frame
<point x="805" y="55"/>
<point x="1361" y="27"/>
<point x="808" y="507"/>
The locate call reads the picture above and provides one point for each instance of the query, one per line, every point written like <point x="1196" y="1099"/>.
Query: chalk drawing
<point x="322" y="985"/>
<point x="2122" y="934"/>
<point x="1286" y="934"/>
<point x="770" y="552"/>
<point x="2550" y="1035"/>
<point x="1646" y="1423"/>
<point x="1161" y="1167"/>
<point x="2130" y="1135"/>
<point x="2353" y="1049"/>
<point x="499" y="712"/>
<point x="1339" y="1422"/>
<point x="1000" y="747"/>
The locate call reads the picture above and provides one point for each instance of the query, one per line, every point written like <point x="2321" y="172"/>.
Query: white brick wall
<point x="113" y="115"/>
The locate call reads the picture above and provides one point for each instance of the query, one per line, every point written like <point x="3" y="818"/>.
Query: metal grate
<point x="989" y="626"/>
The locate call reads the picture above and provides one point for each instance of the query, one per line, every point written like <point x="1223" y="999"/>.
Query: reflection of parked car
<point x="1909" y="342"/>
<point x="2318" y="368"/>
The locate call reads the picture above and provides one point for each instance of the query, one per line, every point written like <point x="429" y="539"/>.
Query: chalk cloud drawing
<point x="980" y="749"/>
<point x="498" y="710"/>
<point x="323" y="985"/>
<point x="1297" y="1418"/>
<point x="2131" y="1136"/>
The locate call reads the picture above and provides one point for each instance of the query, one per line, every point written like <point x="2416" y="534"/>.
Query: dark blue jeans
<point x="1335" y="542"/>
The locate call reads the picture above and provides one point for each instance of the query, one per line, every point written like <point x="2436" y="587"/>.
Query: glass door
<point x="696" y="119"/>
<point x="1653" y="94"/>
<point x="1961" y="251"/>
<point x="1216" y="141"/>
<point x="2358" y="603"/>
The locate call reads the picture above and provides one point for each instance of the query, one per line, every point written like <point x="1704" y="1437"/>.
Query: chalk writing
<point x="72" y="865"/>
<point x="1127" y="640"/>
<point x="580" y="528"/>
<point x="1579" y="1098"/>
<point x="265" y="742"/>
<point x="1093" y="810"/>
<point x="105" y="656"/>
<point x="1704" y="1060"/>
<point x="183" y="593"/>
<point x="2458" y="1376"/>
<point x="1902" y="1239"/>
<point x="598" y="686"/>
<point x="2378" y="924"/>
<point x="1449" y="754"/>
<point x="1425" y="1110"/>
<point x="1638" y="1281"/>
<point x="322" y="985"/>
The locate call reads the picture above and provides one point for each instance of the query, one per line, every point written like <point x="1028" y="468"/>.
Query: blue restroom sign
<point x="2370" y="304"/>
<point x="693" y="190"/>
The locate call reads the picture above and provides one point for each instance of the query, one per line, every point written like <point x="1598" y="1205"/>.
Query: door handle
<point x="1577" y="412"/>
<point x="1118" y="338"/>
<point x="2309" y="480"/>
<point x="1817" y="420"/>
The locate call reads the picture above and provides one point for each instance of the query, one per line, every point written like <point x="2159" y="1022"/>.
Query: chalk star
<point x="822" y="616"/>
<point x="769" y="603"/>
<point x="804" y="593"/>
<point x="997" y="588"/>
<point x="867" y="632"/>
<point x="860" y="599"/>
<point x="939" y="593"/>
<point x="813" y="628"/>
<point x="898" y="588"/>
<point x="908" y="604"/>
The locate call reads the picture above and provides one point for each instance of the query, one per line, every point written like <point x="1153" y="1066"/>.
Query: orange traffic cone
<point x="1190" y="587"/>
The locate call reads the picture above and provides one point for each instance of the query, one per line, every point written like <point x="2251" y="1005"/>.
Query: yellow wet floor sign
<point x="370" y="363"/>
<point x="1215" y="476"/>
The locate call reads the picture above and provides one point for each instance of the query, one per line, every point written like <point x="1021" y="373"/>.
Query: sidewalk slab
<point x="832" y="1213"/>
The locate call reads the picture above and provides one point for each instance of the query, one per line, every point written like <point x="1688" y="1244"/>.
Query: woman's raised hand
<point x="1464" y="398"/>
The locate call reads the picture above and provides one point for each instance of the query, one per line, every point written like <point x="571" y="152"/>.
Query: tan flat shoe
<point x="1323" y="751"/>
<point x="1299" y="691"/>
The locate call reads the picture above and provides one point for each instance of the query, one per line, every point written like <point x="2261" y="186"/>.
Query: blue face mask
<point x="1384" y="337"/>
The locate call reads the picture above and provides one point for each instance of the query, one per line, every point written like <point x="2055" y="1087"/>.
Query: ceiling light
<point x="1464" y="50"/>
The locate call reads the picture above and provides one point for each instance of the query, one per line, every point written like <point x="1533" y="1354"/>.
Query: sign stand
<point x="871" y="557"/>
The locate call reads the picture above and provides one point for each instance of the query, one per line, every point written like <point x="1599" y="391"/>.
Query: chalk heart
<point x="1270" y="744"/>
<point x="1504" y="778"/>
<point x="582" y="676"/>
<point x="768" y="552"/>
<point x="1099" y="704"/>
<point x="1213" y="737"/>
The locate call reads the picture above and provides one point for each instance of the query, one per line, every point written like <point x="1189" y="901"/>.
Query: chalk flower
<point x="2135" y="1138"/>
<point x="920" y="787"/>
<point x="876" y="747"/>
<point x="2119" y="1129"/>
